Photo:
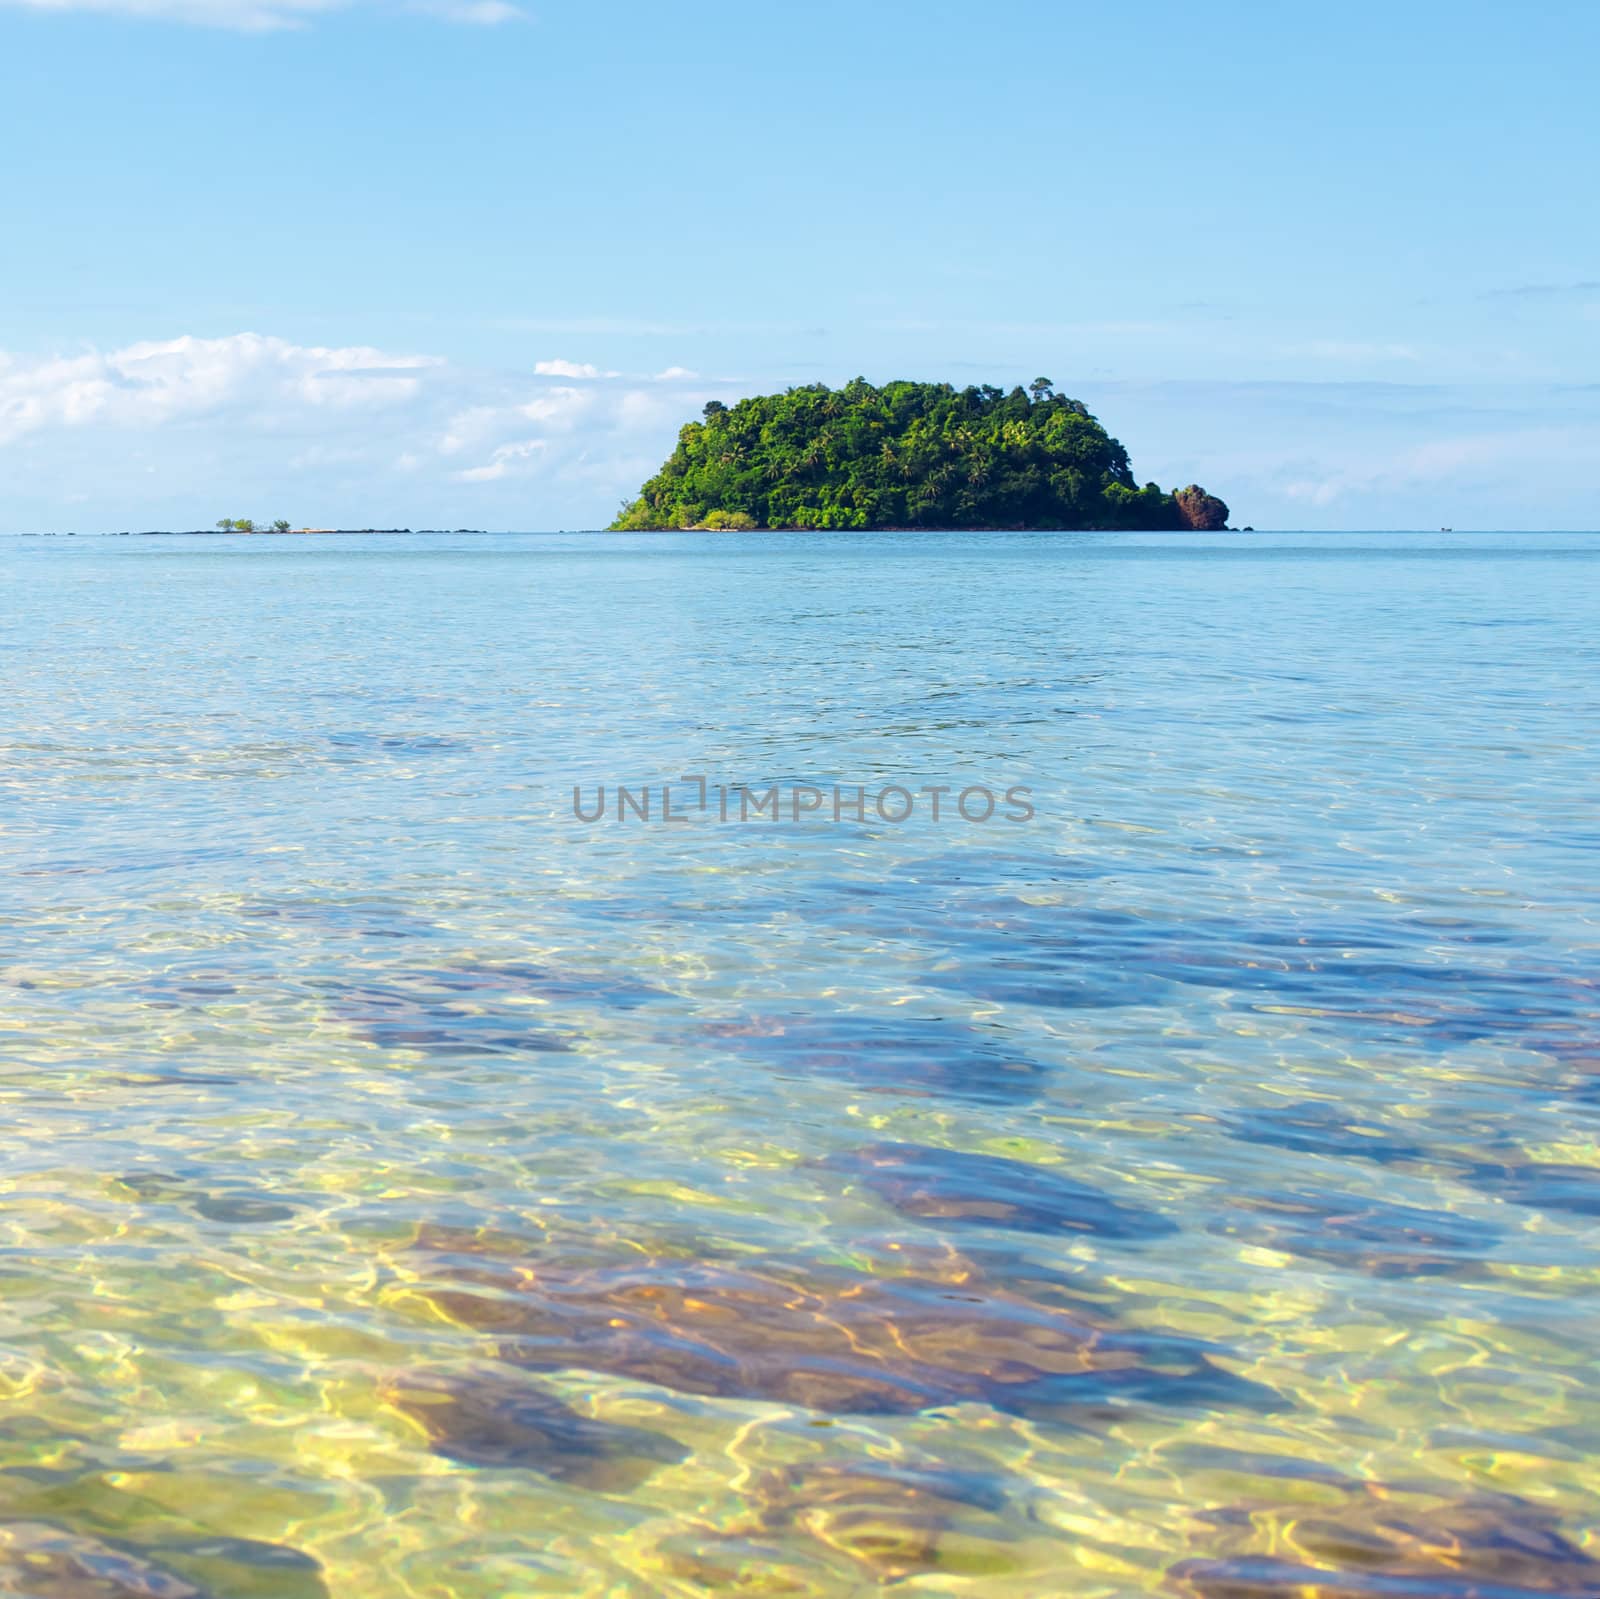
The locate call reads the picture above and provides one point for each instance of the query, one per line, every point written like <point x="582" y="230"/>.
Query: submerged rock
<point x="232" y="1206"/>
<point x="1369" y="1235"/>
<point x="404" y="1015"/>
<point x="1386" y="1542"/>
<point x="46" y="1562"/>
<point x="1312" y="1127"/>
<point x="823" y="1338"/>
<point x="41" y="1561"/>
<point x="1543" y="1185"/>
<point x="890" y="1521"/>
<point x="356" y="916"/>
<point x="179" y="990"/>
<point x="912" y="1056"/>
<point x="1406" y="980"/>
<point x="523" y="979"/>
<point x="945" y="1185"/>
<point x="825" y="1528"/>
<point x="247" y="1568"/>
<point x="1004" y="973"/>
<point x="366" y="741"/>
<point x="241" y="1210"/>
<point x="482" y="1008"/>
<point x="489" y="1418"/>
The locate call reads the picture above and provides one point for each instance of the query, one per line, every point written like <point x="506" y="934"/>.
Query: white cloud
<point x="571" y="369"/>
<point x="1354" y="351"/>
<point x="675" y="374"/>
<point x="504" y="459"/>
<point x="148" y="384"/>
<point x="1367" y="453"/>
<point x="480" y="13"/>
<point x="562" y="428"/>
<point x="174" y="432"/>
<point x="1472" y="462"/>
<point x="1545" y="291"/>
<point x="260" y="15"/>
<point x="1309" y="491"/>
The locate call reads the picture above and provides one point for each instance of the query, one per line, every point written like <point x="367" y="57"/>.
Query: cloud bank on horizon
<point x="177" y="431"/>
<point x="164" y="430"/>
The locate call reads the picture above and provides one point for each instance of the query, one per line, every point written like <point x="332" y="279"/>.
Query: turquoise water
<point x="412" y="1189"/>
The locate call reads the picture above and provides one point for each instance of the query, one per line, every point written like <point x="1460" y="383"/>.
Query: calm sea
<point x="413" y="1189"/>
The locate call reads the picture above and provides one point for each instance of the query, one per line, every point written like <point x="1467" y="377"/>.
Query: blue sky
<point x="472" y="262"/>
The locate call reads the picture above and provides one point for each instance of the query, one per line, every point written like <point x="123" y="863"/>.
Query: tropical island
<point x="907" y="455"/>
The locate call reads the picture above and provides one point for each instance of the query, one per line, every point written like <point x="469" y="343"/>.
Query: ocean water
<point x="413" y="1189"/>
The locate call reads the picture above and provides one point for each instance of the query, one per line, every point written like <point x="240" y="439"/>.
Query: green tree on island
<point x="282" y="525"/>
<point x="907" y="455"/>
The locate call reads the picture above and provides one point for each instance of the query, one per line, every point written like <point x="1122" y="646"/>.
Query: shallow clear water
<point x="411" y="1189"/>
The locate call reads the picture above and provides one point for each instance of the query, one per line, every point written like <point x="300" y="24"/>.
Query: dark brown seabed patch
<point x="883" y="1522"/>
<point x="40" y="1560"/>
<point x="1391" y="1544"/>
<point x="484" y="1417"/>
<point x="957" y="1189"/>
<point x="822" y="1338"/>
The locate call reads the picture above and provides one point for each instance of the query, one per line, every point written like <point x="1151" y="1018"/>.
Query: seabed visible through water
<point x="413" y="1190"/>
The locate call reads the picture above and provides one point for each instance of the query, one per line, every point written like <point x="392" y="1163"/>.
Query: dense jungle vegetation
<point x="912" y="455"/>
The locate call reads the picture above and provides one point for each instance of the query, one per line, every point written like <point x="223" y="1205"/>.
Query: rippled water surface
<point x="410" y="1189"/>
